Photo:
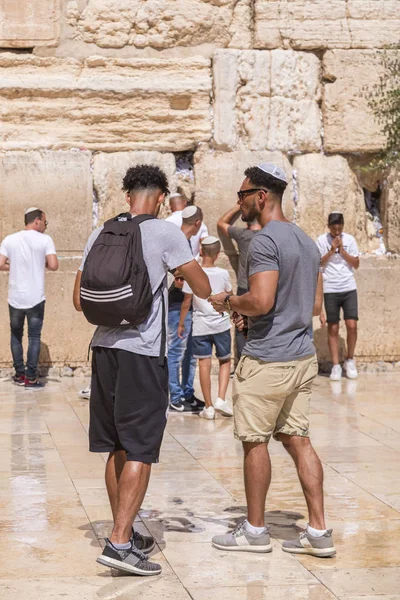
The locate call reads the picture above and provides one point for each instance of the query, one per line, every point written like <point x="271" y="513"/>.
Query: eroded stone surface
<point x="316" y="24"/>
<point x="349" y="124"/>
<point x="327" y="184"/>
<point x="267" y="100"/>
<point x="105" y="104"/>
<point x="392" y="213"/>
<point x="159" y="24"/>
<point x="27" y="24"/>
<point x="60" y="183"/>
<point x="109" y="170"/>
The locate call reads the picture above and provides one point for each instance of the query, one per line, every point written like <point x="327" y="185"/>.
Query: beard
<point x="252" y="214"/>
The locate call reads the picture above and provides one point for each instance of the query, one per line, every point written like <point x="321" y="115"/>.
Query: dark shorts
<point x="346" y="300"/>
<point x="203" y="345"/>
<point x="128" y="404"/>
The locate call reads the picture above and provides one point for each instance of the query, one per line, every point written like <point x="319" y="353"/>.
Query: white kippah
<point x="211" y="239"/>
<point x="175" y="195"/>
<point x="273" y="170"/>
<point x="189" y="211"/>
<point x="31" y="209"/>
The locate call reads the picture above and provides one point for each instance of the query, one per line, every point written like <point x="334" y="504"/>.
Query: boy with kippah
<point x="210" y="329"/>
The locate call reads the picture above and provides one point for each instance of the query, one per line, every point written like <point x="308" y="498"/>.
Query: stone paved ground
<point x="54" y="510"/>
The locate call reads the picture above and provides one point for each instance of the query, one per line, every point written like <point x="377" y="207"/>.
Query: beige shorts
<point x="272" y="398"/>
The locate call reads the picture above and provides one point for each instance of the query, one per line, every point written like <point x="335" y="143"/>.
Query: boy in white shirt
<point x="210" y="328"/>
<point x="339" y="258"/>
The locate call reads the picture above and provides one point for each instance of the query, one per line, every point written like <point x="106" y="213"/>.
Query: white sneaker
<point x="85" y="393"/>
<point x="221" y="406"/>
<point x="336" y="373"/>
<point x="350" y="368"/>
<point x="207" y="413"/>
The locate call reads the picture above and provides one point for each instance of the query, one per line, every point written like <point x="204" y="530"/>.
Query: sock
<point x="315" y="532"/>
<point x="122" y="546"/>
<point x="251" y="529"/>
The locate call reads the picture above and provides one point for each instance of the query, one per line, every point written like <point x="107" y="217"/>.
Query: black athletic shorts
<point x="346" y="300"/>
<point x="128" y="404"/>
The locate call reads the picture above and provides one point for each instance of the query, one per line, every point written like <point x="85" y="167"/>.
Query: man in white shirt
<point x="339" y="258"/>
<point x="28" y="253"/>
<point x="177" y="204"/>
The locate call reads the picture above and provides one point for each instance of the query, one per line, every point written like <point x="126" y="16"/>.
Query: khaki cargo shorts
<point x="272" y="398"/>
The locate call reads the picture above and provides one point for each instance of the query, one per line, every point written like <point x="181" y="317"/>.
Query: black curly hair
<point x="142" y="177"/>
<point x="263" y="180"/>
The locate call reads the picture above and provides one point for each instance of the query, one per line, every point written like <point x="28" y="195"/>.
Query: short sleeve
<point x="228" y="283"/>
<point x="177" y="251"/>
<point x="3" y="248"/>
<point x="186" y="289"/>
<point x="263" y="255"/>
<point x="50" y="247"/>
<point x="353" y="248"/>
<point x="321" y="246"/>
<point x="234" y="232"/>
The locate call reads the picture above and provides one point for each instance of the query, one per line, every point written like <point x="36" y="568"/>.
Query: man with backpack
<point x="122" y="282"/>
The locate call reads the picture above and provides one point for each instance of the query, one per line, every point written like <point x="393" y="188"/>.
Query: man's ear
<point x="127" y="198"/>
<point x="201" y="251"/>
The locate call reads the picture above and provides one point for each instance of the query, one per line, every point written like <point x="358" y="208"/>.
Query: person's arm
<point x="196" y="279"/>
<point x="259" y="300"/>
<point x="186" y="304"/>
<point x="227" y="220"/>
<point x="76" y="296"/>
<point x="353" y="261"/>
<point x="52" y="262"/>
<point x="4" y="266"/>
<point x="335" y="245"/>
<point x="319" y="296"/>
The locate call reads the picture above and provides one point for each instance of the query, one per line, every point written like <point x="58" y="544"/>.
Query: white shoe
<point x="221" y="406"/>
<point x="85" y="393"/>
<point x="350" y="368"/>
<point x="207" y="413"/>
<point x="336" y="373"/>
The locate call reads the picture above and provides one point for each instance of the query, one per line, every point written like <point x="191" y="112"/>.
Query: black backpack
<point x="115" y="285"/>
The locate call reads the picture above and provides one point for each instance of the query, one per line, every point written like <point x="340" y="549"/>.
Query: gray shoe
<point x="131" y="561"/>
<point x="308" y="544"/>
<point x="241" y="540"/>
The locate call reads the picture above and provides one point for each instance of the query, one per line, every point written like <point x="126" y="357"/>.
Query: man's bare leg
<point x="333" y="341"/>
<point x="223" y="377"/>
<point x="311" y="475"/>
<point x="132" y="487"/>
<point x="257" y="478"/>
<point x="205" y="380"/>
<point x="114" y="466"/>
<point x="351" y="326"/>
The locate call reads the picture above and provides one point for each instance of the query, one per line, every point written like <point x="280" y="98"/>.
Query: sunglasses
<point x="243" y="193"/>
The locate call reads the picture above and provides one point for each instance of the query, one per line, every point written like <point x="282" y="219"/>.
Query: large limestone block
<point x="60" y="183"/>
<point x="104" y="104"/>
<point x="109" y="170"/>
<point x="317" y="24"/>
<point x="327" y="184"/>
<point x="266" y="100"/>
<point x="66" y="334"/>
<point x="219" y="175"/>
<point x="28" y="24"/>
<point x="349" y="124"/>
<point x="162" y="24"/>
<point x="391" y="213"/>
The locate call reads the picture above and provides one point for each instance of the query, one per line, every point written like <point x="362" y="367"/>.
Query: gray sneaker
<point x="131" y="561"/>
<point x="242" y="540"/>
<point x="308" y="544"/>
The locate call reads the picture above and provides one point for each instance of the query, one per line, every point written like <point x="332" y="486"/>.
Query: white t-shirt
<point x="337" y="273"/>
<point x="26" y="250"/>
<point x="176" y="218"/>
<point x="206" y="320"/>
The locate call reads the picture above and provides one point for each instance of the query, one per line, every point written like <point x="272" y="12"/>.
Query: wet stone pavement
<point x="54" y="509"/>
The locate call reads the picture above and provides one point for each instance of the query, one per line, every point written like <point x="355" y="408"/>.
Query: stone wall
<point x="203" y="88"/>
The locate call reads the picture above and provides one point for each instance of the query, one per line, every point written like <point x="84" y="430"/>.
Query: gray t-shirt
<point x="282" y="334"/>
<point x="243" y="238"/>
<point x="164" y="248"/>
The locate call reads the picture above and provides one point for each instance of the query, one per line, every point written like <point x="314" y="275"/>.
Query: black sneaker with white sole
<point x="144" y="543"/>
<point x="193" y="401"/>
<point x="184" y="406"/>
<point x="130" y="561"/>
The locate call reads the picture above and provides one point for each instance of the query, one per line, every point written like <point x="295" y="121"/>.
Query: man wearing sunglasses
<point x="272" y="382"/>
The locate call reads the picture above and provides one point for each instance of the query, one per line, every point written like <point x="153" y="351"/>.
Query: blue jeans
<point x="180" y="356"/>
<point x="35" y="316"/>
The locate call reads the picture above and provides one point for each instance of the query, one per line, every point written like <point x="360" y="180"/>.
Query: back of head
<point x="145" y="177"/>
<point x="191" y="215"/>
<point x="268" y="176"/>
<point x="177" y="202"/>
<point x="210" y="246"/>
<point x="335" y="218"/>
<point x="32" y="214"/>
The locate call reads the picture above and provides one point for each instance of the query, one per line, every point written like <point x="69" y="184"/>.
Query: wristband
<point x="227" y="303"/>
